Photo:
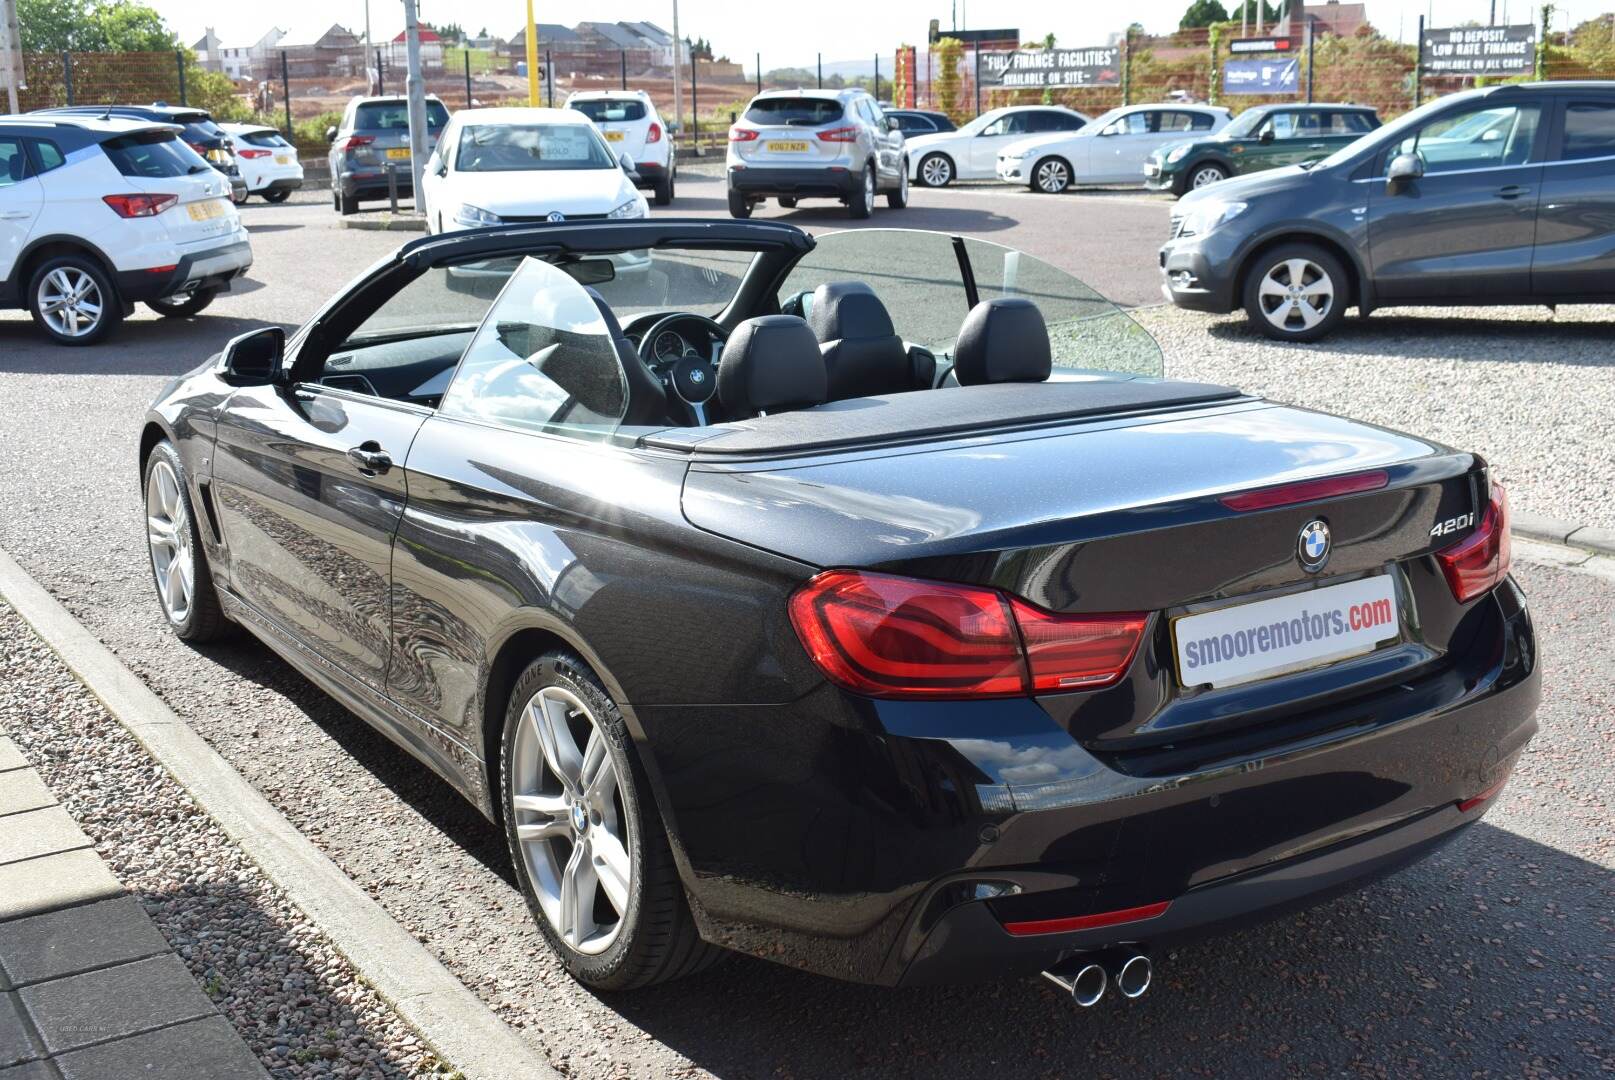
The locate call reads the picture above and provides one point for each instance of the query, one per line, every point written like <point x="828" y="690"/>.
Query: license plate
<point x="1259" y="640"/>
<point x="398" y="153"/>
<point x="205" y="210"/>
<point x="614" y="136"/>
<point x="792" y="147"/>
<point x="283" y="159"/>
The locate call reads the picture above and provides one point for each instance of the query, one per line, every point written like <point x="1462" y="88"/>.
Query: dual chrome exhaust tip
<point x="1087" y="978"/>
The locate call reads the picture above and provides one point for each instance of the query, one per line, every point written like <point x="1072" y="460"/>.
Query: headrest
<point x="770" y="364"/>
<point x="1002" y="340"/>
<point x="848" y="309"/>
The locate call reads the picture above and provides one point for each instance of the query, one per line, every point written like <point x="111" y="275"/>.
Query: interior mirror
<point x="1265" y="136"/>
<point x="1405" y="167"/>
<point x="590" y="271"/>
<point x="253" y="358"/>
<point x="330" y="134"/>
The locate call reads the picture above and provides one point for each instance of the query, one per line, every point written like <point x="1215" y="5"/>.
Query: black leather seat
<point x="771" y="364"/>
<point x="1001" y="341"/>
<point x="863" y="354"/>
<point x="647" y="397"/>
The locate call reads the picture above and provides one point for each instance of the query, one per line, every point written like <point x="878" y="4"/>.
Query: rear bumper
<point x="897" y="842"/>
<point x="650" y="173"/>
<point x="214" y="268"/>
<point x="837" y="182"/>
<point x="373" y="184"/>
<point x="279" y="183"/>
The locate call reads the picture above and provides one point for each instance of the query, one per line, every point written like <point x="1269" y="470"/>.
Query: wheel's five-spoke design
<point x="1296" y="294"/>
<point x="70" y="301"/>
<point x="168" y="532"/>
<point x="570" y="819"/>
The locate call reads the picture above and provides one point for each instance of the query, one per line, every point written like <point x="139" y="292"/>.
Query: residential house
<point x="550" y="36"/>
<point x="431" y="50"/>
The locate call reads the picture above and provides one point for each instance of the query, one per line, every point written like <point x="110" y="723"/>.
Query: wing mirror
<point x="1403" y="168"/>
<point x="627" y="164"/>
<point x="253" y="358"/>
<point x="330" y="134"/>
<point x="436" y="165"/>
<point x="892" y="124"/>
<point x="1265" y="136"/>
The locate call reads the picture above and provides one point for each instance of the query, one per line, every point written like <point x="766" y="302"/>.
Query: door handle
<point x="1318" y="146"/>
<point x="15" y="215"/>
<point x="371" y="459"/>
<point x="1512" y="191"/>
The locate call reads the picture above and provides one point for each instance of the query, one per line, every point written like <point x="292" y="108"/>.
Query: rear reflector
<point x="140" y="205"/>
<point x="1088" y="922"/>
<point x="1475" y="800"/>
<point x="1478" y="562"/>
<point x="1306" y="491"/>
<point x="897" y="637"/>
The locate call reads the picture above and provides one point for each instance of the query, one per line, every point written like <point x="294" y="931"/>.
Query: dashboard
<point x="682" y="336"/>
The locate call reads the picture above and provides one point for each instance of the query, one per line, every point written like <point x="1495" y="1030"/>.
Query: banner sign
<point x="1034" y="69"/>
<point x="1480" y="50"/>
<point x="1260" y="45"/>
<point x="1276" y="76"/>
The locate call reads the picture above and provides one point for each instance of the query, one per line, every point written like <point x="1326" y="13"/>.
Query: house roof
<point x="548" y="33"/>
<point x="313" y="34"/>
<point x="648" y="32"/>
<point x="612" y="34"/>
<point x="1335" y="17"/>
<point x="426" y="33"/>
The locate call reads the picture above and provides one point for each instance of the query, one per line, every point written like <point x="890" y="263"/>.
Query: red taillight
<point x="354" y="142"/>
<point x="252" y="154"/>
<point x="1477" y="563"/>
<point x="740" y="134"/>
<point x="889" y="636"/>
<point x="654" y="134"/>
<point x="1088" y="922"/>
<point x="132" y="206"/>
<point x="199" y="148"/>
<point x="1307" y="491"/>
<point x="841" y="134"/>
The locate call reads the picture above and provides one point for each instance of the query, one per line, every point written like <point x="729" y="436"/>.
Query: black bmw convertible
<point x="868" y="604"/>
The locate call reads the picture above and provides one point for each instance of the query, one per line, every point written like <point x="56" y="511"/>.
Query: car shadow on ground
<point x="141" y="346"/>
<point x="1435" y="336"/>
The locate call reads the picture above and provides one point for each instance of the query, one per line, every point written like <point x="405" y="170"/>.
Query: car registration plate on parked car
<point x="398" y="153"/>
<point x="790" y="147"/>
<point x="283" y="159"/>
<point x="205" y="210"/>
<point x="614" y="136"/>
<point x="1258" y="640"/>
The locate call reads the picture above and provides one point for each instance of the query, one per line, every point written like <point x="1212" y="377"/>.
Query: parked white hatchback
<point x="1109" y="150"/>
<point x="629" y="121"/>
<point x="268" y="163"/>
<point x="498" y="166"/>
<point x="971" y="153"/>
<point x="98" y="214"/>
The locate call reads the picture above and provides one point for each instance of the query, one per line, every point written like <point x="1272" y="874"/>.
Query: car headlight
<point x="1177" y="154"/>
<point x="473" y="216"/>
<point x="633" y="208"/>
<point x="1012" y="156"/>
<point x="1204" y="217"/>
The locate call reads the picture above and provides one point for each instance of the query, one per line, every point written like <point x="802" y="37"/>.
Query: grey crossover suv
<point x="1504" y="195"/>
<point x="816" y="144"/>
<point x="375" y="131"/>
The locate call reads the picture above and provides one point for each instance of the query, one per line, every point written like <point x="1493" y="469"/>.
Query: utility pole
<point x="10" y="52"/>
<point x="415" y="87"/>
<point x="678" y="74"/>
<point x="531" y="34"/>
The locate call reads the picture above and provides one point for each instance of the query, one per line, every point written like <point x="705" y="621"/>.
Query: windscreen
<point x="794" y="111"/>
<point x="530" y="147"/>
<point x="394" y="115"/>
<point x="201" y="131"/>
<point x="263" y="138"/>
<point x="1245" y="124"/>
<point x="610" y="110"/>
<point x="153" y="154"/>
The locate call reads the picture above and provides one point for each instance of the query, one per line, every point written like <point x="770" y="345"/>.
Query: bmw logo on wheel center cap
<point x="580" y="819"/>
<point x="1313" y="546"/>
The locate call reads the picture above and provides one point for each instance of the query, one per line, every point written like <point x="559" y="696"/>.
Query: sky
<point x="840" y="29"/>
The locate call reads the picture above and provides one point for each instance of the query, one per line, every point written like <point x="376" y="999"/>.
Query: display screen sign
<point x="1279" y="75"/>
<point x="1480" y="50"/>
<point x="1034" y="69"/>
<point x="1260" y="45"/>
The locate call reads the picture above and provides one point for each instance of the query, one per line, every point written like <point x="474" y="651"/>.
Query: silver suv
<point x="816" y="144"/>
<point x="375" y="131"/>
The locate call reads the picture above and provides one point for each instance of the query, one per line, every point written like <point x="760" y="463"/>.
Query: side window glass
<point x="1175" y="121"/>
<point x="1589" y="130"/>
<point x="13" y="162"/>
<point x="1198" y="121"/>
<point x="1282" y="125"/>
<point x="542" y="360"/>
<point x="1475" y="139"/>
<point x="48" y="155"/>
<point x="1015" y="124"/>
<point x="1059" y="121"/>
<point x="1310" y="123"/>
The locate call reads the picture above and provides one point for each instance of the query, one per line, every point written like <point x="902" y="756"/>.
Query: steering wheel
<point x="693" y="379"/>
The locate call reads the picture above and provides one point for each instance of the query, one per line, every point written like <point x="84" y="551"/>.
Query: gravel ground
<point x="1532" y="392"/>
<point x="294" y="1000"/>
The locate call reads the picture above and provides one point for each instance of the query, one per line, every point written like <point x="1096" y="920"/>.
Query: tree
<point x="91" y="26"/>
<point x="451" y="32"/>
<point x="1270" y="12"/>
<point x="1203" y="13"/>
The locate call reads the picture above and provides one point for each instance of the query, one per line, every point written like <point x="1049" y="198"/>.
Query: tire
<point x="171" y="307"/>
<point x="1051" y="176"/>
<point x="1202" y="175"/>
<point x="787" y="202"/>
<point x="242" y="201"/>
<point x="862" y="200"/>
<point x="174" y="543"/>
<point x="936" y="170"/>
<point x="663" y="192"/>
<point x="897" y="198"/>
<point x="73" y="300"/>
<point x="1286" y="314"/>
<point x="276" y="196"/>
<point x="651" y="937"/>
<point x="739" y="205"/>
<point x="346" y="204"/>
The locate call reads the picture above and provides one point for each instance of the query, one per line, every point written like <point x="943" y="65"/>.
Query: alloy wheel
<point x="168" y="532"/>
<point x="936" y="171"/>
<point x="1052" y="176"/>
<point x="1296" y="295"/>
<point x="869" y="187"/>
<point x="570" y="820"/>
<point x="70" y="302"/>
<point x="1206" y="176"/>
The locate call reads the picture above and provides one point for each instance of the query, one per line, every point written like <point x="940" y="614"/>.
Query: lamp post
<point x="678" y="74"/>
<point x="415" y="88"/>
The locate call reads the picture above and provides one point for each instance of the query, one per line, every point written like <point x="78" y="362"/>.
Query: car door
<point x="21" y="199"/>
<point x="1115" y="144"/>
<point x="308" y="475"/>
<point x="1281" y="140"/>
<point x="436" y="196"/>
<point x="981" y="157"/>
<point x="890" y="140"/>
<point x="1575" y="230"/>
<point x="1466" y="228"/>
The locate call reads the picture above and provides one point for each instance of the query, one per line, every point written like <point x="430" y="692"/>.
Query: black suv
<point x="1504" y="195"/>
<point x="198" y="130"/>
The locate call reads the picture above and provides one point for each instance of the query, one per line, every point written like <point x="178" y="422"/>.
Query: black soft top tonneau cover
<point x="925" y="413"/>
